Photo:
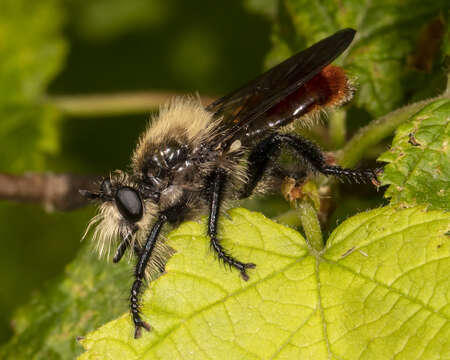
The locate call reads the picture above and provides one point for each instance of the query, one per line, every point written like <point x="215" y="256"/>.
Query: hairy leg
<point x="313" y="155"/>
<point x="268" y="148"/>
<point x="139" y="274"/>
<point x="123" y="246"/>
<point x="258" y="162"/>
<point x="216" y="190"/>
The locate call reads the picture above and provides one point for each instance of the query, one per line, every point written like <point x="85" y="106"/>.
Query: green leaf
<point x="88" y="294"/>
<point x="375" y="292"/>
<point x="31" y="53"/>
<point x="387" y="35"/>
<point x="419" y="168"/>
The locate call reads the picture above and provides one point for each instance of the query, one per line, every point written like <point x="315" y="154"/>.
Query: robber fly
<point x="190" y="159"/>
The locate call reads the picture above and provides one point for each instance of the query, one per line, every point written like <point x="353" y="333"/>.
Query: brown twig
<point x="53" y="191"/>
<point x="113" y="104"/>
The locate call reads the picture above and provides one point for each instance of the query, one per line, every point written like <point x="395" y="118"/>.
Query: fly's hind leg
<point x="265" y="150"/>
<point x="313" y="155"/>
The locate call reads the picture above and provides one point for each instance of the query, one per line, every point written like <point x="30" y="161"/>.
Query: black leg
<point x="261" y="154"/>
<point x="258" y="161"/>
<point x="216" y="191"/>
<point x="313" y="155"/>
<point x="139" y="276"/>
<point x="123" y="246"/>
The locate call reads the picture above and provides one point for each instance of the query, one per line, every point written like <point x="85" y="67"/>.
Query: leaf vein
<point x="410" y="298"/>
<point x="220" y="301"/>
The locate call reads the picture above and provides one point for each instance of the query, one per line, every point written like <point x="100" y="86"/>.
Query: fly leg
<point x="314" y="157"/>
<point x="139" y="274"/>
<point x="123" y="246"/>
<point x="265" y="150"/>
<point x="216" y="191"/>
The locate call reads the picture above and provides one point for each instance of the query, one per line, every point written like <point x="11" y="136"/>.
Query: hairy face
<point x="123" y="213"/>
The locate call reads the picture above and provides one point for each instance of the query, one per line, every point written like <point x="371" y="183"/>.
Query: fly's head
<point x="123" y="212"/>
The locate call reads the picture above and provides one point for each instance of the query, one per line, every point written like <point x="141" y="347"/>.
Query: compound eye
<point x="129" y="204"/>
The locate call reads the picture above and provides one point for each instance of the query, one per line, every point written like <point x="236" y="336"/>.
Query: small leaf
<point x="387" y="33"/>
<point x="374" y="290"/>
<point x="419" y="168"/>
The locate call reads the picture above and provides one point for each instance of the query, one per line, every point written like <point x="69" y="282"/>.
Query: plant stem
<point x="305" y="215"/>
<point x="310" y="223"/>
<point x="112" y="104"/>
<point x="377" y="130"/>
<point x="53" y="191"/>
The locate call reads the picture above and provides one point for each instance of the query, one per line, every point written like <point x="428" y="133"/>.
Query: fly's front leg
<point x="139" y="274"/>
<point x="216" y="191"/>
<point x="124" y="245"/>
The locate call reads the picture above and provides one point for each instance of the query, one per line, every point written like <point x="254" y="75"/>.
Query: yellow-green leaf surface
<point x="419" y="159"/>
<point x="376" y="291"/>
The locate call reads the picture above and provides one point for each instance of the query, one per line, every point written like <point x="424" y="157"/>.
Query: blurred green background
<point x="98" y="46"/>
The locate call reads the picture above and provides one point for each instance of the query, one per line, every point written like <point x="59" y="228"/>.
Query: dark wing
<point x="240" y="108"/>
